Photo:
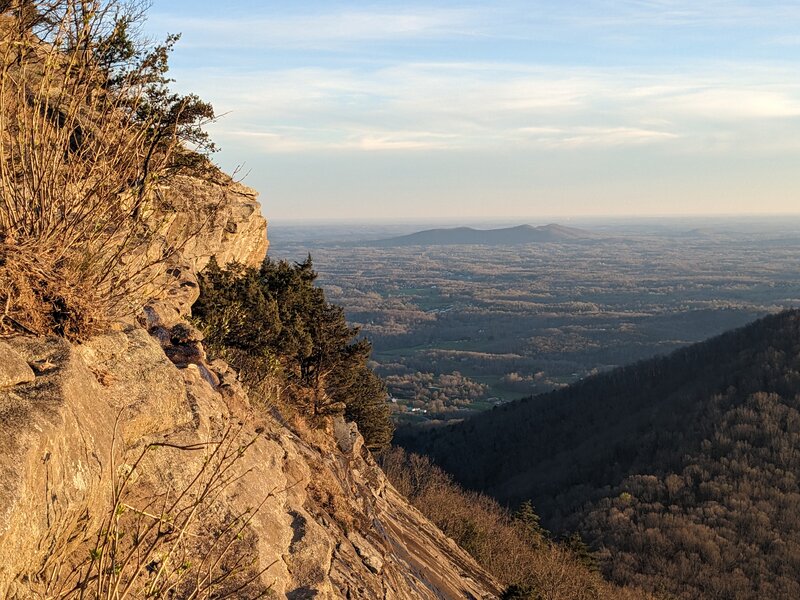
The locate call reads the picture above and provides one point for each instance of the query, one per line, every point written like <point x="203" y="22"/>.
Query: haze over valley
<point x="462" y="327"/>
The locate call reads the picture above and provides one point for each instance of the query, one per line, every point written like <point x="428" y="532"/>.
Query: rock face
<point x="201" y="218"/>
<point x="215" y="217"/>
<point x="136" y="429"/>
<point x="328" y="525"/>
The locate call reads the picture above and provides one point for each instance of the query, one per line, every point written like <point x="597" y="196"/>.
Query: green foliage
<point x="575" y="544"/>
<point x="520" y="592"/>
<point x="530" y="522"/>
<point x="364" y="394"/>
<point x="128" y="63"/>
<point x="470" y="536"/>
<point x="273" y="322"/>
<point x="231" y="301"/>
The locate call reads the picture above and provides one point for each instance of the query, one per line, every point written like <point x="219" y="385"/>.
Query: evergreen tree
<point x="520" y="592"/>
<point x="575" y="544"/>
<point x="530" y="522"/>
<point x="274" y="322"/>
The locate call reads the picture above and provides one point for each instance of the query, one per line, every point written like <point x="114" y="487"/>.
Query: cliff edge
<point x="134" y="459"/>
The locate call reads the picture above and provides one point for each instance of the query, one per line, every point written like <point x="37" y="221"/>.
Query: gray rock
<point x="160" y="314"/>
<point x="221" y="219"/>
<point x="366" y="551"/>
<point x="346" y="434"/>
<point x="14" y="368"/>
<point x="325" y="523"/>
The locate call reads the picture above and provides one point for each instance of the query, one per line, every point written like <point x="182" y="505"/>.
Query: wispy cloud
<point x="582" y="137"/>
<point x="678" y="13"/>
<point x="519" y="95"/>
<point x="458" y="106"/>
<point x="733" y="103"/>
<point x="284" y="140"/>
<point x="344" y="27"/>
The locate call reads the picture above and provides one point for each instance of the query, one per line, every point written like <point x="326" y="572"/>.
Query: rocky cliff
<point x="134" y="461"/>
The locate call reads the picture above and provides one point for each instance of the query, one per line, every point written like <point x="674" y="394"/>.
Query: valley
<point x="462" y="328"/>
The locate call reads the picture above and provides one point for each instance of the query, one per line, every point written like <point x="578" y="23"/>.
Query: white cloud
<point x="732" y="103"/>
<point x="348" y="27"/>
<point x="281" y="140"/>
<point x="430" y="106"/>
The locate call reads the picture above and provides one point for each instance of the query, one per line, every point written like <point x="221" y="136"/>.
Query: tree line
<point x="682" y="472"/>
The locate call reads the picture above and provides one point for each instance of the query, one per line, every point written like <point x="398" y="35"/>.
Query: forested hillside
<point x="681" y="472"/>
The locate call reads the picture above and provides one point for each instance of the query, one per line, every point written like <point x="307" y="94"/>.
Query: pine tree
<point x="575" y="544"/>
<point x="530" y="522"/>
<point x="275" y="321"/>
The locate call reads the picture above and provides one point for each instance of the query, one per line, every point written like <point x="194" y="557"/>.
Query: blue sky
<point x="462" y="110"/>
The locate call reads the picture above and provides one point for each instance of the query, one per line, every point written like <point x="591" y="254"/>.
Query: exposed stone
<point x="323" y="521"/>
<point x="215" y="218"/>
<point x="160" y="314"/>
<point x="185" y="354"/>
<point x="13" y="368"/>
<point x="366" y="551"/>
<point x="346" y="435"/>
<point x="326" y="523"/>
<point x="178" y="287"/>
<point x="201" y="218"/>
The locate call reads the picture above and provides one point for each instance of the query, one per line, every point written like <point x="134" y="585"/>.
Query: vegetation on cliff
<point x="88" y="129"/>
<point x="512" y="546"/>
<point x="277" y="329"/>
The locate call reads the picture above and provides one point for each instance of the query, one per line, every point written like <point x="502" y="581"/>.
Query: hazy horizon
<point x="293" y="238"/>
<point x="595" y="108"/>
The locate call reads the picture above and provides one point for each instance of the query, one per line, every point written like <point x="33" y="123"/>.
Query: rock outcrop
<point x="202" y="218"/>
<point x="229" y="485"/>
<point x="13" y="368"/>
<point x="217" y="217"/>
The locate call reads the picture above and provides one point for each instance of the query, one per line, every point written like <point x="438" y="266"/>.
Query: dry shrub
<point x="330" y="493"/>
<point x="499" y="542"/>
<point x="177" y="542"/>
<point x="82" y="147"/>
<point x="42" y="295"/>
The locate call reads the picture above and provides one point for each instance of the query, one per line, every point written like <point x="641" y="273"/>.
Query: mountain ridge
<point x="690" y="455"/>
<point x="519" y="234"/>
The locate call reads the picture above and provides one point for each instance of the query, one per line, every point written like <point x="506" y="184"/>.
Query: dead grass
<point x="176" y="542"/>
<point x="79" y="166"/>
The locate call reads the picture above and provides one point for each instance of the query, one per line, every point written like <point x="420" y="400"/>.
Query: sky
<point x="505" y="109"/>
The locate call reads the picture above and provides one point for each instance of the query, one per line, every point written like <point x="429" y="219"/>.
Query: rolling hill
<point x="682" y="472"/>
<point x="508" y="236"/>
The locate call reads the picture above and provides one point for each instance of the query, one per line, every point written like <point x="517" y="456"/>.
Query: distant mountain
<point x="682" y="471"/>
<point x="509" y="236"/>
